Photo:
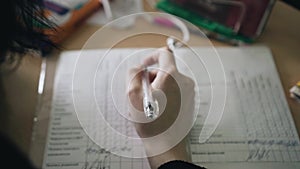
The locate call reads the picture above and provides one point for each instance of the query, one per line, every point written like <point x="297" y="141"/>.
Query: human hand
<point x="163" y="137"/>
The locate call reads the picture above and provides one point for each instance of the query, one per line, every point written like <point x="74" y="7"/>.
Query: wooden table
<point x="19" y="89"/>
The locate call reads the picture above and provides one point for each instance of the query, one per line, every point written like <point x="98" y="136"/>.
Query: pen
<point x="107" y="9"/>
<point x="151" y="108"/>
<point x="150" y="105"/>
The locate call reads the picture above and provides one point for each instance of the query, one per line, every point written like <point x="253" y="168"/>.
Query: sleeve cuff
<point x="179" y="164"/>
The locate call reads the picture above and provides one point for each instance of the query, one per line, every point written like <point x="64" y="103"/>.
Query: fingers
<point x="163" y="57"/>
<point x="135" y="95"/>
<point x="166" y="66"/>
<point x="135" y="80"/>
<point x="152" y="75"/>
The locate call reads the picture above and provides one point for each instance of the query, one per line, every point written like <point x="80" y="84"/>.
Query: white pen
<point x="150" y="105"/>
<point x="107" y="9"/>
<point x="151" y="108"/>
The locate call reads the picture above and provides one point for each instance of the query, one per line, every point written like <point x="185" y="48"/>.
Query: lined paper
<point x="256" y="129"/>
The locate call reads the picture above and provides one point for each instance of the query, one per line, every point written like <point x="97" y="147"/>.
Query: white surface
<point x="256" y="131"/>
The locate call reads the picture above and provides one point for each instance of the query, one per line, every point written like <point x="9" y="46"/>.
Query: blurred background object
<point x="232" y="21"/>
<point x="294" y="3"/>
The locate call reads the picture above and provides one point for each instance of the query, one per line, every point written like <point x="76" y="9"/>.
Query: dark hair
<point x="293" y="3"/>
<point x="20" y="33"/>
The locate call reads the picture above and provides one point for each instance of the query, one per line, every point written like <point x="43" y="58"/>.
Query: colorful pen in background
<point x="68" y="18"/>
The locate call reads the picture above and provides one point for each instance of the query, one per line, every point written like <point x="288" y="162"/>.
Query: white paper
<point x="256" y="131"/>
<point x="257" y="126"/>
<point x="68" y="145"/>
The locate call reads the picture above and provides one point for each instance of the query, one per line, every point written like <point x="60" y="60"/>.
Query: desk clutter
<point x="68" y="15"/>
<point x="232" y="21"/>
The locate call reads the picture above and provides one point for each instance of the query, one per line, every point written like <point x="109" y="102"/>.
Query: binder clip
<point x="295" y="92"/>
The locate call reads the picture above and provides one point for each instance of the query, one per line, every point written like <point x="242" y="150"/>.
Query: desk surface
<point x="19" y="88"/>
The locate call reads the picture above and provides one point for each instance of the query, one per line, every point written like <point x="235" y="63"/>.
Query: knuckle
<point x="133" y="91"/>
<point x="190" y="82"/>
<point x="169" y="78"/>
<point x="172" y="70"/>
<point x="133" y="71"/>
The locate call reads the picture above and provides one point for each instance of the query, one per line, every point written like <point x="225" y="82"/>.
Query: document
<point x="257" y="128"/>
<point x="255" y="131"/>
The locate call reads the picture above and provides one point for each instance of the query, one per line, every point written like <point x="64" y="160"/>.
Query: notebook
<point x="256" y="129"/>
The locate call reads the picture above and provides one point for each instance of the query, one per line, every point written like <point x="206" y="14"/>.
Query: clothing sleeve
<point x="180" y="165"/>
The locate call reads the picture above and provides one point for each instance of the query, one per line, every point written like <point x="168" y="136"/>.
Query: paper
<point x="257" y="125"/>
<point x="68" y="145"/>
<point x="256" y="131"/>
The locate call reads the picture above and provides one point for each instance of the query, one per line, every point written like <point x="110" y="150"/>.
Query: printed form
<point x="256" y="129"/>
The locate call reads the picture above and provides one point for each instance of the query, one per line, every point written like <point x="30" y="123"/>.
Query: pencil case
<point x="232" y="21"/>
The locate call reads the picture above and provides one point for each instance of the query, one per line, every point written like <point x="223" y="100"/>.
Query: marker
<point x="150" y="105"/>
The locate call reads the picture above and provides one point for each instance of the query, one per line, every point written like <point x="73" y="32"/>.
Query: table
<point x="19" y="88"/>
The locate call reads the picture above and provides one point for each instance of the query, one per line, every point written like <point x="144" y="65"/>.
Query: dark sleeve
<point x="180" y="165"/>
<point x="11" y="156"/>
<point x="294" y="3"/>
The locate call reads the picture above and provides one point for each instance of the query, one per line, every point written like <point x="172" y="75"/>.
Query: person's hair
<point x="293" y="3"/>
<point x="20" y="22"/>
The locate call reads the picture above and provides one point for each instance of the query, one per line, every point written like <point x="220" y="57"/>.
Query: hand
<point x="164" y="137"/>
